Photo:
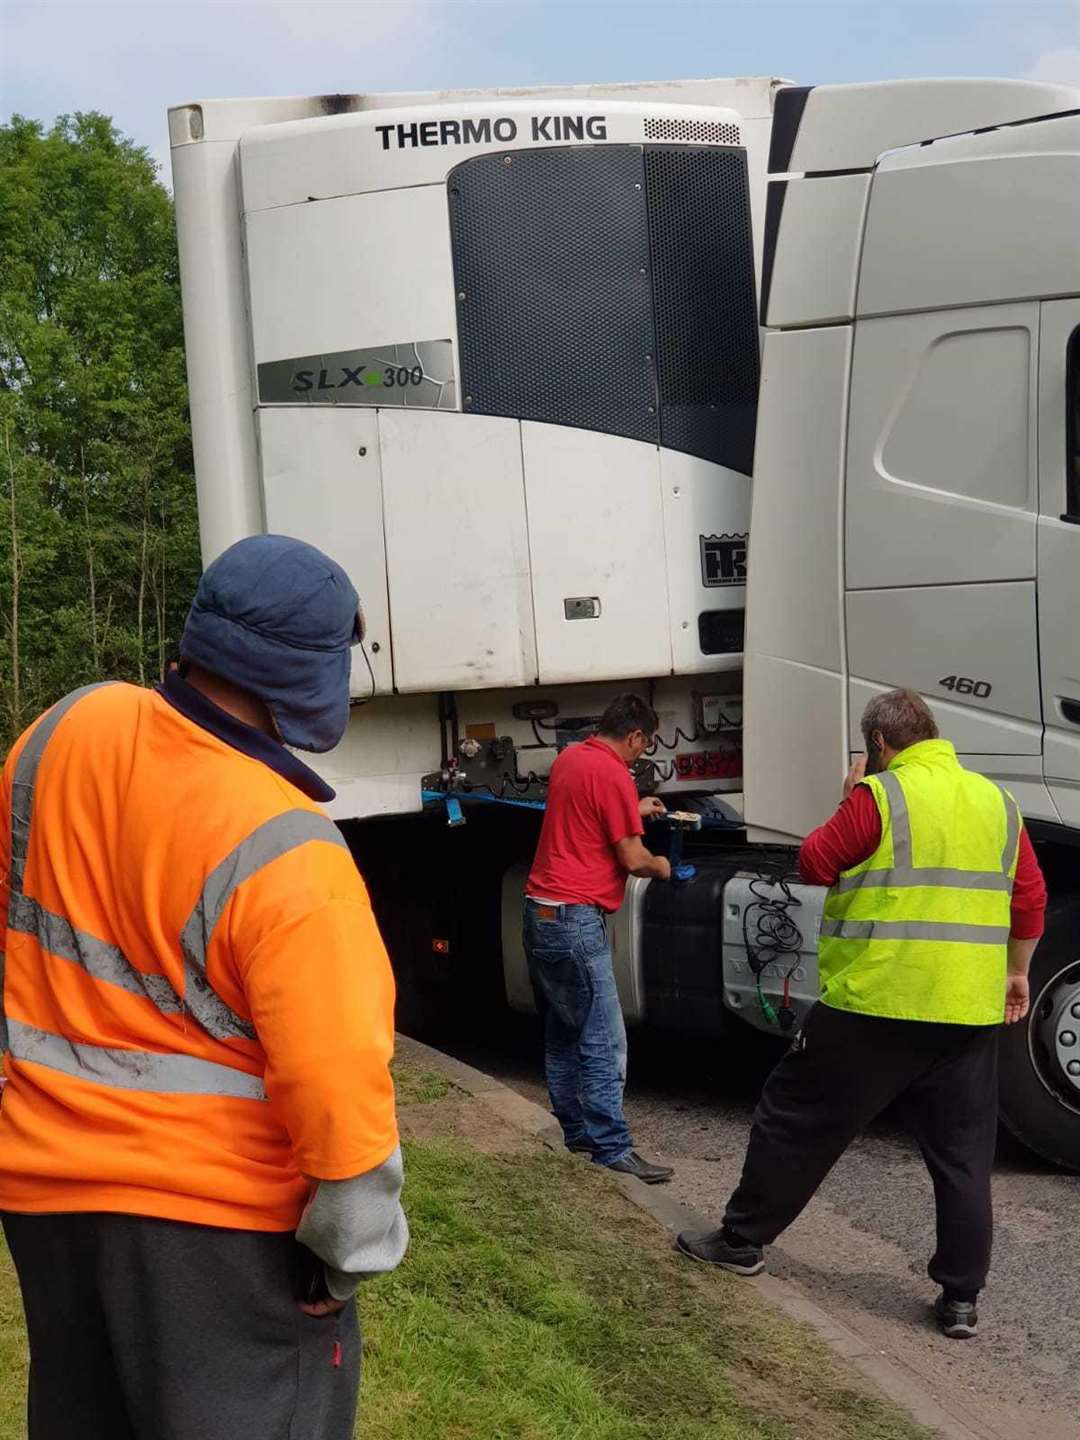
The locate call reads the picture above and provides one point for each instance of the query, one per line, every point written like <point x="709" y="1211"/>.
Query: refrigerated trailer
<point x="514" y="358"/>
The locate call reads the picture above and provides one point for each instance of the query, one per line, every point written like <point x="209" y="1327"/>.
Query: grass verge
<point x="414" y="1086"/>
<point x="537" y="1304"/>
<point x="13" y="1360"/>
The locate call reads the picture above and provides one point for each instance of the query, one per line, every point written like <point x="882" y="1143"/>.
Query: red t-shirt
<point x="592" y="805"/>
<point x="854" y="833"/>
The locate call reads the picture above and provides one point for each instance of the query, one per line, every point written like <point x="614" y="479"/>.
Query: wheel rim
<point x="1054" y="1036"/>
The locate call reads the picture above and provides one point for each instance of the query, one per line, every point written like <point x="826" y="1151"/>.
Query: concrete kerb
<point x="902" y="1386"/>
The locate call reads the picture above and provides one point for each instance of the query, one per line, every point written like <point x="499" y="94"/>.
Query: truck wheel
<point x="1040" y="1057"/>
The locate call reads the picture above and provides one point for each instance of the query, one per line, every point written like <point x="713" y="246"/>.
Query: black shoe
<point x="581" y="1148"/>
<point x="643" y="1170"/>
<point x="959" y="1319"/>
<point x="711" y="1247"/>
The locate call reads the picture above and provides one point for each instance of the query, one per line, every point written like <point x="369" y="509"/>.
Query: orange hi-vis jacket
<point x="198" y="1005"/>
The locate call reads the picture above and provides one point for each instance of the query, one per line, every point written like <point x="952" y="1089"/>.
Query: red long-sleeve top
<point x="854" y="833"/>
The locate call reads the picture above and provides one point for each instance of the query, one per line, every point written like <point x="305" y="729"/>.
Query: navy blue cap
<point x="279" y="618"/>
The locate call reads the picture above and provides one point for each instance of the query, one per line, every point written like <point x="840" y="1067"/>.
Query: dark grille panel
<point x="610" y="287"/>
<point x="703" y="288"/>
<point x="551" y="262"/>
<point x="695" y="132"/>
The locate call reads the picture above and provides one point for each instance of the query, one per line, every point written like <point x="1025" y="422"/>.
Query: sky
<point x="133" y="59"/>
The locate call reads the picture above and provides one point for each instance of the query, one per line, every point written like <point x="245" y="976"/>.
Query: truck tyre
<point x="1039" y="1090"/>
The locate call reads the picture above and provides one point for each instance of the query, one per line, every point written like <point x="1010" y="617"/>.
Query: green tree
<point x="99" y="548"/>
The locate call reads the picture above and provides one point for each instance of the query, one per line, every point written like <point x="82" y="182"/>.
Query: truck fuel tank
<point x="727" y="939"/>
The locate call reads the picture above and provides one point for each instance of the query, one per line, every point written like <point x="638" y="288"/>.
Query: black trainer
<point x="711" y="1247"/>
<point x="581" y="1147"/>
<point x="959" y="1319"/>
<point x="645" y="1170"/>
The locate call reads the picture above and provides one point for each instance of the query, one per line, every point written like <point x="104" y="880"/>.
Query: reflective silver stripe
<point x="205" y="1005"/>
<point x="22" y="809"/>
<point x="909" y="878"/>
<point x="100" y="959"/>
<point x="103" y="960"/>
<point x="268" y="842"/>
<point x="899" y="819"/>
<point x="1012" y="834"/>
<point x="22" y="781"/>
<point x="131" y="1069"/>
<point x="937" y="930"/>
<point x="107" y="963"/>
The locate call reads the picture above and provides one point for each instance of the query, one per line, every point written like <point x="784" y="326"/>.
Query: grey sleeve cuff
<point x="357" y="1227"/>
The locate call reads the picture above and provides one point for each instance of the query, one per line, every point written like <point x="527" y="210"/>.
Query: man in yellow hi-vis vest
<point x="935" y="907"/>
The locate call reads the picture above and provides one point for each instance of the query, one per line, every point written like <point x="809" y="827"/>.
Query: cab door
<point x="1059" y="551"/>
<point x="941" y="513"/>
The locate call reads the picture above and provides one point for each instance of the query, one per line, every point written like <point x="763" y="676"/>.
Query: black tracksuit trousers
<point x="153" y="1330"/>
<point x="841" y="1072"/>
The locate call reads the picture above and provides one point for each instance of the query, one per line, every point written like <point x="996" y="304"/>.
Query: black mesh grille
<point x="697" y="132"/>
<point x="610" y="287"/>
<point x="551" y="266"/>
<point x="703" y="288"/>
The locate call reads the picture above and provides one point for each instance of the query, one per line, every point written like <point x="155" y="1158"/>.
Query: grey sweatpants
<point x="154" y="1330"/>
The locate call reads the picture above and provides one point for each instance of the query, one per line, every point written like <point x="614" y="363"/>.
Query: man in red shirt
<point x="590" y="842"/>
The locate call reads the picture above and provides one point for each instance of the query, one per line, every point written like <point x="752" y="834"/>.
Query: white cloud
<point x="133" y="59"/>
<point x="1056" y="46"/>
<point x="329" y="22"/>
<point x="1060" y="66"/>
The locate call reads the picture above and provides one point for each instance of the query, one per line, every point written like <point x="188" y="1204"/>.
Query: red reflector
<point x="709" y="764"/>
<point x="441" y="947"/>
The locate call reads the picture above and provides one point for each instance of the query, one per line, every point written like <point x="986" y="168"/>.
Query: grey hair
<point x="902" y="717"/>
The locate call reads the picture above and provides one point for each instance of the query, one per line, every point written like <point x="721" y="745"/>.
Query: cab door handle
<point x="1070" y="710"/>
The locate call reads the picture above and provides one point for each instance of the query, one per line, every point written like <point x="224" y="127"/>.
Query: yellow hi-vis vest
<point x="920" y="930"/>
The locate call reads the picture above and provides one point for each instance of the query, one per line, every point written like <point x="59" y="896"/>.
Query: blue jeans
<point x="584" y="1035"/>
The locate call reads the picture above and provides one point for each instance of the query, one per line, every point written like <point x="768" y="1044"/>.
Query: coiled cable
<point x="776" y="936"/>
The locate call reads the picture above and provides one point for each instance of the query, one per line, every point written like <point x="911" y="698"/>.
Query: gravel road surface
<point x="861" y="1248"/>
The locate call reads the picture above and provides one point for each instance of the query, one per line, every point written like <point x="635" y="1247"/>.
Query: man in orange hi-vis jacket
<point x="199" y="1157"/>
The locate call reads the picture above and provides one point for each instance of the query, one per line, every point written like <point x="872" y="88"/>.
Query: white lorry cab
<point x="751" y="397"/>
